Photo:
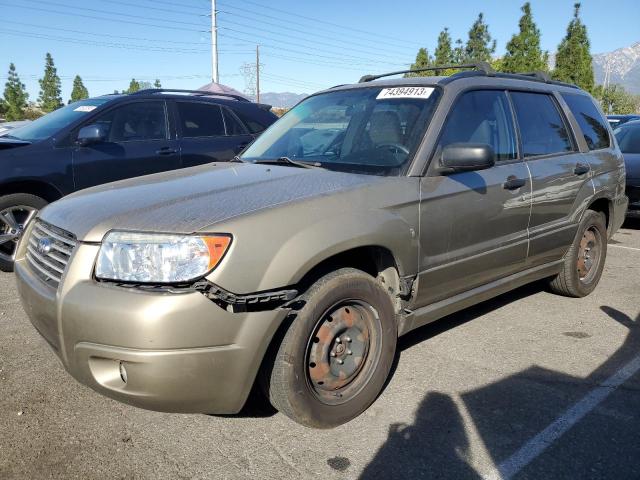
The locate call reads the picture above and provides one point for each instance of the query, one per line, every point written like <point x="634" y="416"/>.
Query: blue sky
<point x="305" y="45"/>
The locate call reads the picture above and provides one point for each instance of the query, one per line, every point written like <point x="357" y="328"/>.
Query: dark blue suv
<point x="113" y="137"/>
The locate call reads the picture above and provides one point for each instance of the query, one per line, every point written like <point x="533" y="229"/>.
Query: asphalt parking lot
<point x="528" y="385"/>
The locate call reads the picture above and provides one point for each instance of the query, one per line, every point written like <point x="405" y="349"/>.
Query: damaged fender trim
<point x="240" y="303"/>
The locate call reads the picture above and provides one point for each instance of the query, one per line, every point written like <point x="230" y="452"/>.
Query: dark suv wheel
<point x="16" y="210"/>
<point x="337" y="353"/>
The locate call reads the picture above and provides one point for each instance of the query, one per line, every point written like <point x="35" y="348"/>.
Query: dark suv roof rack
<point x="203" y="93"/>
<point x="483" y="67"/>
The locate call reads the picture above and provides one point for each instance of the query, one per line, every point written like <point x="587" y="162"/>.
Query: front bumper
<point x="181" y="352"/>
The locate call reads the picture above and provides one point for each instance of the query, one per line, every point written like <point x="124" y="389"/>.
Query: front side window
<point x="542" y="129"/>
<point x="137" y="121"/>
<point x="593" y="126"/>
<point x="370" y="130"/>
<point x="200" y="120"/>
<point x="482" y="116"/>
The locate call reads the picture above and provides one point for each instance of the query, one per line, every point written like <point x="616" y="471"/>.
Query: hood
<point x="632" y="166"/>
<point x="7" y="143"/>
<point x="193" y="199"/>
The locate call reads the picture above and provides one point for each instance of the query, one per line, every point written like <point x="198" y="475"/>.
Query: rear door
<point x="208" y="133"/>
<point x="473" y="225"/>
<point x="558" y="174"/>
<point x="138" y="143"/>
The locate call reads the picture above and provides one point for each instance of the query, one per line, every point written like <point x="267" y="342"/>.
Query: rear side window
<point x="482" y="116"/>
<point x="234" y="127"/>
<point x="200" y="119"/>
<point x="542" y="129"/>
<point x="253" y="124"/>
<point x="593" y="126"/>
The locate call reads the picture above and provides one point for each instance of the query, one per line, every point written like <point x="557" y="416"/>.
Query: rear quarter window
<point x="252" y="122"/>
<point x="593" y="126"/>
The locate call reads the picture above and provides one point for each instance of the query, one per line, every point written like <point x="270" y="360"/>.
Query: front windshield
<point x="363" y="130"/>
<point x="50" y="124"/>
<point x="628" y="137"/>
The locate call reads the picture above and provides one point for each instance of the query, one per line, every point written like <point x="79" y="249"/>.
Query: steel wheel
<point x="343" y="352"/>
<point x="12" y="223"/>
<point x="589" y="254"/>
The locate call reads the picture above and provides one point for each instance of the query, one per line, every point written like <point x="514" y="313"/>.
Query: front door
<point x="138" y="143"/>
<point x="473" y="225"/>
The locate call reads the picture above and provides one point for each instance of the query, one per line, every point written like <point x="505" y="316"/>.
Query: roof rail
<point x="203" y="93"/>
<point x="537" y="76"/>
<point x="483" y="67"/>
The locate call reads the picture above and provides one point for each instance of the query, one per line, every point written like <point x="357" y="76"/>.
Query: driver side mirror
<point x="465" y="157"/>
<point x="90" y="134"/>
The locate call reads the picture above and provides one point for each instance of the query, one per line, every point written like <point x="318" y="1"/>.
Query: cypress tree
<point x="50" y="98"/>
<point x="573" y="60"/>
<point x="79" y="91"/>
<point x="459" y="52"/>
<point x="423" y="60"/>
<point x="15" y="96"/>
<point x="523" y="50"/>
<point x="444" y="53"/>
<point x="480" y="45"/>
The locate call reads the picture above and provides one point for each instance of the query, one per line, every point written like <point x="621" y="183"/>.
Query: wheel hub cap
<point x="12" y="224"/>
<point x="588" y="253"/>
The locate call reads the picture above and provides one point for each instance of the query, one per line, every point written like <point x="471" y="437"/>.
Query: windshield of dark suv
<point x="50" y="124"/>
<point x="363" y="130"/>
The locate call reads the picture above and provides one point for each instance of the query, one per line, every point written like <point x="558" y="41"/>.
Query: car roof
<point x="190" y="95"/>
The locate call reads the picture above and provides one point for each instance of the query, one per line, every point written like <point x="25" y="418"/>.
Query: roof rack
<point x="483" y="67"/>
<point x="203" y="93"/>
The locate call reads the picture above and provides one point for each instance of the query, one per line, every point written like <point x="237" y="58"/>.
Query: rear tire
<point x="337" y="352"/>
<point x="16" y="210"/>
<point x="584" y="262"/>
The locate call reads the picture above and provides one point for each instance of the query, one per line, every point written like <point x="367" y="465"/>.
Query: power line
<point x="103" y="18"/>
<point x="306" y="32"/>
<point x="378" y="35"/>
<point x="160" y="9"/>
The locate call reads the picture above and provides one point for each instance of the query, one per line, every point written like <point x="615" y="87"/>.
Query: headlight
<point x="159" y="258"/>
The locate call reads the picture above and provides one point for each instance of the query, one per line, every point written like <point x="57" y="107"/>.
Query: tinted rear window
<point x="254" y="124"/>
<point x="200" y="119"/>
<point x="542" y="128"/>
<point x="593" y="126"/>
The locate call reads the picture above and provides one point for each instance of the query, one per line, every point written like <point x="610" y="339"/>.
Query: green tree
<point x="79" y="91"/>
<point x="157" y="83"/>
<point x="134" y="86"/>
<point x="480" y="46"/>
<point x="50" y="87"/>
<point x="459" y="52"/>
<point x="423" y="60"/>
<point x="15" y="96"/>
<point x="444" y="53"/>
<point x="523" y="50"/>
<point x="573" y="60"/>
<point x="614" y="99"/>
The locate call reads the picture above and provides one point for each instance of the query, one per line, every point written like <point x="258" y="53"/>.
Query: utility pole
<point x="258" y="73"/>
<point x="214" y="43"/>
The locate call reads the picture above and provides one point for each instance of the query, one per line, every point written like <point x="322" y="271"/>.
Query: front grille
<point x="48" y="251"/>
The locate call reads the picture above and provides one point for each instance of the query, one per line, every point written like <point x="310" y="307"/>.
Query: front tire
<point x="16" y="210"/>
<point x="336" y="355"/>
<point x="584" y="262"/>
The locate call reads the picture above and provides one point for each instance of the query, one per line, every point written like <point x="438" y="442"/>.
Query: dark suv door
<point x="473" y="225"/>
<point x="558" y="173"/>
<point x="209" y="133"/>
<point x="138" y="143"/>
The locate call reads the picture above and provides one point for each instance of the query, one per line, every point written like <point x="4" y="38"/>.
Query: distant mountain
<point x="623" y="66"/>
<point x="282" y="100"/>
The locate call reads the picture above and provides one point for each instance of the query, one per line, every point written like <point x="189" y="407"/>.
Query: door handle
<point x="166" y="151"/>
<point x="581" y="169"/>
<point x="514" y="183"/>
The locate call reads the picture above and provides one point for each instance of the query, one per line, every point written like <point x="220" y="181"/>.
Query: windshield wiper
<point x="237" y="159"/>
<point x="288" y="161"/>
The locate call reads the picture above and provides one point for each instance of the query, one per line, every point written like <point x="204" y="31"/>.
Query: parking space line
<point x="622" y="246"/>
<point x="538" y="444"/>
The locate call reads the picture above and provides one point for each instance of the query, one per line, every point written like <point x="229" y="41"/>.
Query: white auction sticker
<point x="405" y="92"/>
<point x="84" y="108"/>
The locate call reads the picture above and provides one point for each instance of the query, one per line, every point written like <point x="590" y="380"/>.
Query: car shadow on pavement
<point x="505" y="415"/>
